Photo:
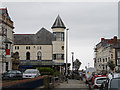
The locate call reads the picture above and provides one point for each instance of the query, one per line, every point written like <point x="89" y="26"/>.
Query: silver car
<point x="31" y="73"/>
<point x="12" y="74"/>
<point x="97" y="82"/>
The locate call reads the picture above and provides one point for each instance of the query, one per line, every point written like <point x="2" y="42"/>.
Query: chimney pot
<point x="102" y="39"/>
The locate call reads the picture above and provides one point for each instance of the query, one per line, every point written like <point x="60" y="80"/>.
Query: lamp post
<point x="88" y="65"/>
<point x="66" y="51"/>
<point x="72" y="60"/>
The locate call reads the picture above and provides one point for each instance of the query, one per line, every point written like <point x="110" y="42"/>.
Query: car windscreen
<point x="12" y="72"/>
<point x="115" y="83"/>
<point x="30" y="71"/>
<point x="100" y="80"/>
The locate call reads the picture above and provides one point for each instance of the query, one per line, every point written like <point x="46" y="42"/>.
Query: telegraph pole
<point x="72" y="60"/>
<point x="66" y="51"/>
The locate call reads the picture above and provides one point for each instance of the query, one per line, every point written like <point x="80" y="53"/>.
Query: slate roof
<point x="58" y="23"/>
<point x="42" y="37"/>
<point x="109" y="42"/>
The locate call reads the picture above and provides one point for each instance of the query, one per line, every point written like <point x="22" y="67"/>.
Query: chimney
<point x="102" y="39"/>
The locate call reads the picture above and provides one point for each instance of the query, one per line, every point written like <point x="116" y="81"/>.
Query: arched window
<point x="16" y="54"/>
<point x="28" y="56"/>
<point x="39" y="55"/>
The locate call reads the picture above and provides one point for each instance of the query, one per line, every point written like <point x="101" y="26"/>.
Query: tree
<point x="111" y="64"/>
<point x="77" y="64"/>
<point x="15" y="61"/>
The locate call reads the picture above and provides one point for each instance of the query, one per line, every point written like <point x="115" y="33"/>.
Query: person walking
<point x="81" y="76"/>
<point x="67" y="78"/>
<point x="110" y="75"/>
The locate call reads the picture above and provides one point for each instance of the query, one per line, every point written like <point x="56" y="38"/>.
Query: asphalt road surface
<point x="72" y="85"/>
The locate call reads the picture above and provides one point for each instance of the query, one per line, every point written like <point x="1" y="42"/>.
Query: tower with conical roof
<point x="58" y="29"/>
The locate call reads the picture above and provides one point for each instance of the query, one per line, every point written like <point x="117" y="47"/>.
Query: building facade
<point x="43" y="49"/>
<point x="107" y="49"/>
<point x="6" y="40"/>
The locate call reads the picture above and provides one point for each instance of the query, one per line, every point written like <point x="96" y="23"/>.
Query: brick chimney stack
<point x="102" y="39"/>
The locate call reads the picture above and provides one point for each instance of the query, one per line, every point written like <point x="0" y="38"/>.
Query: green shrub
<point x="46" y="70"/>
<point x="56" y="73"/>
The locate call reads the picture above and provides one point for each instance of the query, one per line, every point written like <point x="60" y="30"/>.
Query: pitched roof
<point x="42" y="37"/>
<point x="58" y="23"/>
<point x="114" y="43"/>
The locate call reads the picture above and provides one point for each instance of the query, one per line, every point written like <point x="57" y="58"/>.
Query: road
<point x="73" y="84"/>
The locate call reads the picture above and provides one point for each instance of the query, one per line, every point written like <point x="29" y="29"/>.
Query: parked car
<point x="106" y="84"/>
<point x="98" y="81"/>
<point x="93" y="83"/>
<point x="116" y="75"/>
<point x="31" y="73"/>
<point x="114" y="84"/>
<point x="12" y="74"/>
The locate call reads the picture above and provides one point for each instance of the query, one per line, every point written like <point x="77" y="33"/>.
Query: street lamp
<point x="66" y="51"/>
<point x="88" y="65"/>
<point x="72" y="60"/>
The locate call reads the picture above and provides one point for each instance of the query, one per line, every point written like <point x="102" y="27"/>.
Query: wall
<point x="46" y="51"/>
<point x="57" y="45"/>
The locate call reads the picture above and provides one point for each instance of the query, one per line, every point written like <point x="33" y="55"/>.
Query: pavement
<point x="72" y="85"/>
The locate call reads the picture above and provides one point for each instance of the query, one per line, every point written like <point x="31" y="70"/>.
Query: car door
<point x="114" y="84"/>
<point x="37" y="73"/>
<point x="18" y="74"/>
<point x="13" y="73"/>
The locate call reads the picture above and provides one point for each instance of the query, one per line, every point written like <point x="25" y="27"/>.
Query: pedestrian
<point x="110" y="76"/>
<point x="67" y="78"/>
<point x="81" y="76"/>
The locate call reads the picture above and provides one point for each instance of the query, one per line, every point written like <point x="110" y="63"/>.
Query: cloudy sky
<point x="88" y="22"/>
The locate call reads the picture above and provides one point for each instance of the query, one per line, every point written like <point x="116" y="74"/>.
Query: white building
<point x="107" y="49"/>
<point x="43" y="49"/>
<point x="6" y="40"/>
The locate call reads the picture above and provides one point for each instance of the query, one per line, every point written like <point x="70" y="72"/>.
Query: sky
<point x="88" y="22"/>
